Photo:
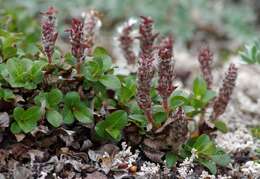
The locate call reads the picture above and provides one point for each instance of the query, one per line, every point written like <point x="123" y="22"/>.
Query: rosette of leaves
<point x="74" y="108"/>
<point x="251" y="53"/>
<point x="99" y="72"/>
<point x="22" y="72"/>
<point x="25" y="120"/>
<point x="208" y="154"/>
<point x="49" y="104"/>
<point x="195" y="102"/>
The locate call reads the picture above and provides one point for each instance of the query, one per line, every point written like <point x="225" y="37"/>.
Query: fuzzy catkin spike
<point x="145" y="74"/>
<point x="166" y="71"/>
<point x="205" y="59"/>
<point x="92" y="25"/>
<point x="49" y="33"/>
<point x="225" y="92"/>
<point x="146" y="68"/>
<point x="147" y="36"/>
<point x="126" y="43"/>
<point x="77" y="41"/>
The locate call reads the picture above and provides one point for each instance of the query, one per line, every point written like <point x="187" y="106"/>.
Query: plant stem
<point x="165" y="105"/>
<point x="150" y="119"/>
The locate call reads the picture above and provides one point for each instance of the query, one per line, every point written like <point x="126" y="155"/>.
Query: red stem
<point x="165" y="105"/>
<point x="149" y="117"/>
<point x="49" y="59"/>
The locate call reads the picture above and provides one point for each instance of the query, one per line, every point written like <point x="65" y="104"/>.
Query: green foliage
<point x="221" y="126"/>
<point x="111" y="127"/>
<point x="8" y="43"/>
<point x="6" y="94"/>
<point x="171" y="159"/>
<point x="251" y="54"/>
<point x="22" y="23"/>
<point x="256" y="131"/>
<point x="49" y="101"/>
<point x="22" y="72"/>
<point x="25" y="120"/>
<point x="99" y="69"/>
<point x="74" y="108"/>
<point x="208" y="154"/>
<point x="194" y="103"/>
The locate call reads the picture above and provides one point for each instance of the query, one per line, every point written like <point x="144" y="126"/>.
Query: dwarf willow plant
<point x="81" y="87"/>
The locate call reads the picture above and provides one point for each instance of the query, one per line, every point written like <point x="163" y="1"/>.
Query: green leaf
<point x="15" y="129"/>
<point x="188" y="109"/>
<point x="125" y="94"/>
<point x="27" y="126"/>
<point x="83" y="114"/>
<point x="138" y="119"/>
<point x="54" y="97"/>
<point x="18" y="113"/>
<point x="110" y="81"/>
<point x="201" y="142"/>
<point x="9" y="52"/>
<point x="27" y="120"/>
<point x="208" y="149"/>
<point x="178" y="98"/>
<point x="54" y="118"/>
<point x="100" y="54"/>
<point x="221" y="126"/>
<point x="32" y="114"/>
<point x="72" y="99"/>
<point x="199" y="87"/>
<point x="256" y="132"/>
<point x="114" y="133"/>
<point x="211" y="165"/>
<point x="160" y="117"/>
<point x="68" y="115"/>
<point x="6" y="94"/>
<point x="177" y="101"/>
<point x="111" y="127"/>
<point x="221" y="158"/>
<point x="93" y="70"/>
<point x="209" y="95"/>
<point x="171" y="159"/>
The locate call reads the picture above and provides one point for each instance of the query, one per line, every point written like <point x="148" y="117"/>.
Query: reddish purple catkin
<point x="49" y="33"/>
<point x="77" y="41"/>
<point x="225" y="92"/>
<point x="147" y="37"/>
<point x="126" y="43"/>
<point x="91" y="27"/>
<point x="166" y="71"/>
<point x="205" y="59"/>
<point x="146" y="69"/>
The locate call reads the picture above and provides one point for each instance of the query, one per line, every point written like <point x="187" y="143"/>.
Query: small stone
<point x="133" y="169"/>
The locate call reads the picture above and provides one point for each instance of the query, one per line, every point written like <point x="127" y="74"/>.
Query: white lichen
<point x="149" y="169"/>
<point x="186" y="167"/>
<point x="206" y="175"/>
<point x="251" y="168"/>
<point x="125" y="156"/>
<point x="235" y="141"/>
